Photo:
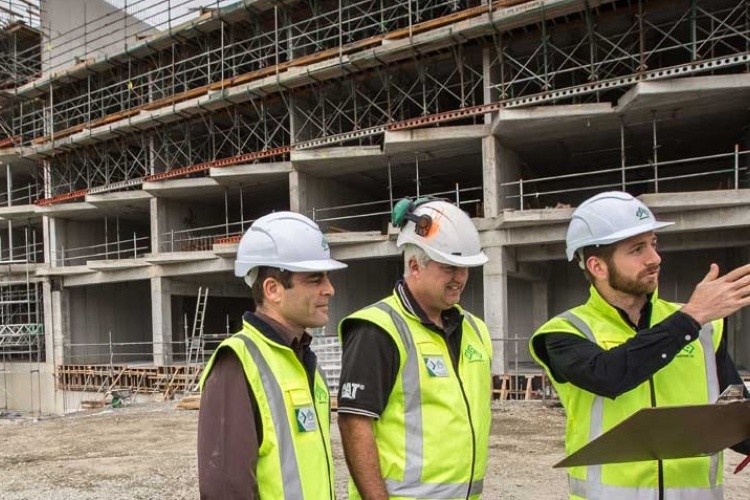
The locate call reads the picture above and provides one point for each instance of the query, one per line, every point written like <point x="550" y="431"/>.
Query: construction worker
<point x="264" y="424"/>
<point x="627" y="349"/>
<point x="414" y="398"/>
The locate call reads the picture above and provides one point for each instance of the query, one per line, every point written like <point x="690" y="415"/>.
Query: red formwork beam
<point x="268" y="153"/>
<point x="224" y="162"/>
<point x="81" y="193"/>
<point x="228" y="239"/>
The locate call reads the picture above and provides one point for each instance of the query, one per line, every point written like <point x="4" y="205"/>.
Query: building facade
<point x="140" y="138"/>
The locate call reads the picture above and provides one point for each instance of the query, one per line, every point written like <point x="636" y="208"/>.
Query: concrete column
<point x="54" y="236"/>
<point x="298" y="191"/>
<point x="500" y="165"/>
<point x="490" y="76"/>
<point x="158" y="210"/>
<point x="496" y="302"/>
<point x="539" y="303"/>
<point x="161" y="318"/>
<point x="56" y="320"/>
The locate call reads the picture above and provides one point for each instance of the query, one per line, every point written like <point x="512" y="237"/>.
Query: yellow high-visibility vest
<point x="433" y="435"/>
<point x="294" y="459"/>
<point x="690" y="378"/>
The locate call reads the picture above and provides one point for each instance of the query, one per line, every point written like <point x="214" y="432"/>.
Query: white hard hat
<point x="285" y="240"/>
<point x="441" y="229"/>
<point x="608" y="218"/>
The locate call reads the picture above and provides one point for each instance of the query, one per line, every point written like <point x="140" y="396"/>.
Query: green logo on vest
<point x="305" y="417"/>
<point x="472" y="354"/>
<point x="321" y="396"/>
<point x="436" y="366"/>
<point x="687" y="351"/>
<point x="642" y="213"/>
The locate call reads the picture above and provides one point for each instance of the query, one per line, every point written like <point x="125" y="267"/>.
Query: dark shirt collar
<point x="452" y="317"/>
<point x="644" y="320"/>
<point x="277" y="332"/>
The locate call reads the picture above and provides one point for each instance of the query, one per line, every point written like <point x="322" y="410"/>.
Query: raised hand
<point x="717" y="297"/>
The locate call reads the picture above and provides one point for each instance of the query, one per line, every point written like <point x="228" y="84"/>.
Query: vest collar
<point x="269" y="330"/>
<point x="599" y="304"/>
<point x="452" y="318"/>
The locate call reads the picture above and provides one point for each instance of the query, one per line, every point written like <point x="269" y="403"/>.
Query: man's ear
<point x="413" y="266"/>
<point x="272" y="290"/>
<point x="597" y="267"/>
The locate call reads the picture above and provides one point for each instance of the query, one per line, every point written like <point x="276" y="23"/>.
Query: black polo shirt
<point x="370" y="359"/>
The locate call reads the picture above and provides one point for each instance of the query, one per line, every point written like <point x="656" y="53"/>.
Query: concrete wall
<point x="27" y="387"/>
<point x="308" y="192"/>
<point x="82" y="29"/>
<point x="739" y="342"/>
<point x="97" y="310"/>
<point x="520" y="325"/>
<point x="170" y="215"/>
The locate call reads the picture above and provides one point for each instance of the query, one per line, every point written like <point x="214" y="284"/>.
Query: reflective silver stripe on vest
<point x="587" y="490"/>
<point x="473" y="324"/>
<point x="291" y="482"/>
<point x="412" y="486"/>
<point x="593" y="488"/>
<point x="592" y="491"/>
<point x="712" y="380"/>
<point x="596" y="422"/>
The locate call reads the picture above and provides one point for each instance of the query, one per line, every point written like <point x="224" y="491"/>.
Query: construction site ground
<point x="147" y="451"/>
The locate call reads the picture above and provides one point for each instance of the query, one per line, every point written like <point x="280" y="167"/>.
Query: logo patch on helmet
<point x="642" y="213"/>
<point x="324" y="243"/>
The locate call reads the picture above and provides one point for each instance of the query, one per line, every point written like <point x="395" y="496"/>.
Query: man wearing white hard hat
<point x="415" y="385"/>
<point x="264" y="423"/>
<point x="626" y="348"/>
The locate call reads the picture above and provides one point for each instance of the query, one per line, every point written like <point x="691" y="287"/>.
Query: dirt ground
<point x="147" y="451"/>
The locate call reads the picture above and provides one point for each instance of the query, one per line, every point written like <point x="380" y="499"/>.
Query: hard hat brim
<point x="305" y="266"/>
<point x="619" y="236"/>
<point x="456" y="260"/>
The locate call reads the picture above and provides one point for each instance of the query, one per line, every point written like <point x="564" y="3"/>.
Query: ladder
<point x="195" y="343"/>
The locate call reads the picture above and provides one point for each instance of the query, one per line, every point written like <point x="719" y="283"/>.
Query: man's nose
<point x="461" y="273"/>
<point x="653" y="256"/>
<point x="327" y="287"/>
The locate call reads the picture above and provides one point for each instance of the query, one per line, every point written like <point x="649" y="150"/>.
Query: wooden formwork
<point x="523" y="386"/>
<point x="167" y="380"/>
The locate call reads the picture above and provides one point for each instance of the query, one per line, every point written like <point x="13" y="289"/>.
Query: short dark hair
<point x="604" y="252"/>
<point x="281" y="275"/>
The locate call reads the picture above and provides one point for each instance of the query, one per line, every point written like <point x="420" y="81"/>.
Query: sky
<point x="161" y="13"/>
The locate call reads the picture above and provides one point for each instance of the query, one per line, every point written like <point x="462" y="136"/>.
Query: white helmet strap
<point x="251" y="276"/>
<point x="581" y="259"/>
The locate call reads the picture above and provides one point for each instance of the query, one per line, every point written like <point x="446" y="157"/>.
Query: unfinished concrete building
<point x="140" y="138"/>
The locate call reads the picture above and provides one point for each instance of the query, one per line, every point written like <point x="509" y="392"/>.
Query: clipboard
<point x="668" y="432"/>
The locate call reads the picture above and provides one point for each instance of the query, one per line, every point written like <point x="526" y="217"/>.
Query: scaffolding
<point x="22" y="347"/>
<point x="223" y="110"/>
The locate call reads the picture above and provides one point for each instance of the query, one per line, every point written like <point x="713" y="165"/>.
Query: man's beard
<point x="632" y="286"/>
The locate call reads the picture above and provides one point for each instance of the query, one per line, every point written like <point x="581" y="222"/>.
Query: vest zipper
<point x="320" y="433"/>
<point x="468" y="413"/>
<point x="311" y="387"/>
<point x="659" y="463"/>
<point x="473" y="436"/>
